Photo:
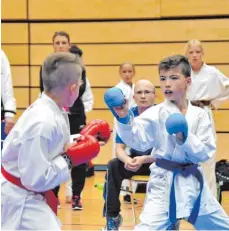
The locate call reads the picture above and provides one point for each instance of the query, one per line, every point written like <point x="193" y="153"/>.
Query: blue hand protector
<point x="176" y="123"/>
<point x="114" y="97"/>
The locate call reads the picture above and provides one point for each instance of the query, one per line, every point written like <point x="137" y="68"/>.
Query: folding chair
<point x="139" y="180"/>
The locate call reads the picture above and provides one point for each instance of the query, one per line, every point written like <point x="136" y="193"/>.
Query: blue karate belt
<point x="185" y="170"/>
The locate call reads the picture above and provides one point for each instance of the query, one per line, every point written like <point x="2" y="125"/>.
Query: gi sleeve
<point x="224" y="89"/>
<point x="38" y="170"/>
<point x="87" y="97"/>
<point x="140" y="133"/>
<point x="8" y="99"/>
<point x="201" y="146"/>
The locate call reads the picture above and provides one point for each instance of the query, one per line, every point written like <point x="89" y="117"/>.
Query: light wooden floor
<point x="90" y="218"/>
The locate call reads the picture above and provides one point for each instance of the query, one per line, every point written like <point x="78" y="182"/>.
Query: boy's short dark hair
<point x="174" y="61"/>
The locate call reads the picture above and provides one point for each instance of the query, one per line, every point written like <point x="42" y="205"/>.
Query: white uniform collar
<point x="51" y="101"/>
<point x="172" y="108"/>
<point x="197" y="72"/>
<point x="123" y="82"/>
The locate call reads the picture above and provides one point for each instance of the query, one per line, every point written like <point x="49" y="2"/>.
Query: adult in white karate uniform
<point x="191" y="142"/>
<point x="33" y="151"/>
<point x="209" y="87"/>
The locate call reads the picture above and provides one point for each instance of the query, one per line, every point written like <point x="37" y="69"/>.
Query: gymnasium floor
<point x="90" y="218"/>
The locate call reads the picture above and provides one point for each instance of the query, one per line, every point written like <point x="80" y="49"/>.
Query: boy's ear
<point x="73" y="87"/>
<point x="188" y="80"/>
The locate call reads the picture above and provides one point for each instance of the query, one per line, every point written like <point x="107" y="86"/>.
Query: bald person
<point x="128" y="162"/>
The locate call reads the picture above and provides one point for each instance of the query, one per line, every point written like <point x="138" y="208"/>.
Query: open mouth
<point x="168" y="92"/>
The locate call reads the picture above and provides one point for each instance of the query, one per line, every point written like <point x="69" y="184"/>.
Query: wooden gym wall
<point x="111" y="32"/>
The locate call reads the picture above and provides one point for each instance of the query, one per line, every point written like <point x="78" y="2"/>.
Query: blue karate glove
<point x="114" y="97"/>
<point x="176" y="123"/>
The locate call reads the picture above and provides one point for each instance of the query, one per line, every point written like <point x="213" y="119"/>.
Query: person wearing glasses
<point x="128" y="162"/>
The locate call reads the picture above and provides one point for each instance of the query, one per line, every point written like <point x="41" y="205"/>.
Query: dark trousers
<point x="116" y="173"/>
<point x="78" y="179"/>
<point x="78" y="173"/>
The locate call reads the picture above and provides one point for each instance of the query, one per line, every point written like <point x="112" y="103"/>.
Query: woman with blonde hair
<point x="209" y="88"/>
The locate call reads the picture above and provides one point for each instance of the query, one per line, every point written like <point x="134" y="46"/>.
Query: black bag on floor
<point x="222" y="174"/>
<point x="222" y="177"/>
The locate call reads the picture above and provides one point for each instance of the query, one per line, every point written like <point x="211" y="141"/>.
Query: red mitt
<point x="100" y="129"/>
<point x="83" y="151"/>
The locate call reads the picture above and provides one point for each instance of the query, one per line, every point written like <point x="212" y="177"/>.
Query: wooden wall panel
<point x="97" y="9"/>
<point x="222" y="146"/>
<point x="22" y="97"/>
<point x="35" y="92"/>
<point x="14" y="9"/>
<point x="137" y="31"/>
<point x="215" y="52"/>
<point x="105" y="154"/>
<point x="35" y="76"/>
<point x="221" y="118"/>
<point x="14" y="33"/>
<point x="225" y="105"/>
<point x="17" y="54"/>
<point x="101" y="114"/>
<point x="187" y="8"/>
<point x="20" y="75"/>
<point x="19" y="113"/>
<point x="223" y="68"/>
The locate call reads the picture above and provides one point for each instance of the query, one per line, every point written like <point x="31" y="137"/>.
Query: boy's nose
<point x="167" y="83"/>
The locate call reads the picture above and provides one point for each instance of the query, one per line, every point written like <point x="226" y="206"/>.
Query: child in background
<point x="209" y="87"/>
<point x="127" y="73"/>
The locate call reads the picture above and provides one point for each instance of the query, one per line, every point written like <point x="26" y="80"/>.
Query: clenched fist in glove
<point x="100" y="129"/>
<point x="82" y="151"/>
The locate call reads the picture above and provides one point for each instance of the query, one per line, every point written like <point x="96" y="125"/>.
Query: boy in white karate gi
<point x="181" y="137"/>
<point x="37" y="154"/>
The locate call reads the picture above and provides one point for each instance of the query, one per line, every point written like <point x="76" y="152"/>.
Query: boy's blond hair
<point x="192" y="42"/>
